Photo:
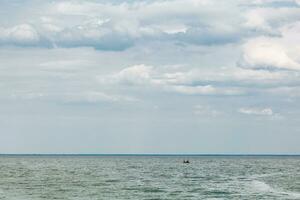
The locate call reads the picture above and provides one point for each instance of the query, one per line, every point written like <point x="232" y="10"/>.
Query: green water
<point x="149" y="177"/>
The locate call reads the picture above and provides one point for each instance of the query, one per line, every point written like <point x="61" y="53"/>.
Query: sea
<point x="149" y="177"/>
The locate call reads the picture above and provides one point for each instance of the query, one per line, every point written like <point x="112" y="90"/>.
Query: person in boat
<point x="186" y="161"/>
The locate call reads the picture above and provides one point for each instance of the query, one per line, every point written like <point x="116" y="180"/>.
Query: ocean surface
<point x="149" y="177"/>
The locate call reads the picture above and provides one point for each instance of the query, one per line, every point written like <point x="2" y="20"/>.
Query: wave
<point x="265" y="188"/>
<point x="261" y="186"/>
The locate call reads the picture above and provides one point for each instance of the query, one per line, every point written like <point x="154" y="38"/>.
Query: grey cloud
<point x="117" y="27"/>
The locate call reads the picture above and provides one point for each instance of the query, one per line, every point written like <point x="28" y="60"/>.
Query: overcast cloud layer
<point x="174" y="76"/>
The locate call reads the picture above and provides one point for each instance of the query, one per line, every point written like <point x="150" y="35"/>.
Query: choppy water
<point x="148" y="177"/>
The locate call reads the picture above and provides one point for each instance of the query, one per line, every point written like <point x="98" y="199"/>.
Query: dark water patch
<point x="112" y="181"/>
<point x="132" y="188"/>
<point x="152" y="190"/>
<point x="175" y="193"/>
<point x="196" y="190"/>
<point x="217" y="193"/>
<point x="99" y="184"/>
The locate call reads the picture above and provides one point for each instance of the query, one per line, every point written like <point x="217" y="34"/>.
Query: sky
<point x="161" y="76"/>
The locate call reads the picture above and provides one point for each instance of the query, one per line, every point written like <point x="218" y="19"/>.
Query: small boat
<point x="186" y="161"/>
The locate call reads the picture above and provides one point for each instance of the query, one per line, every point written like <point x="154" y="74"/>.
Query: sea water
<point x="149" y="177"/>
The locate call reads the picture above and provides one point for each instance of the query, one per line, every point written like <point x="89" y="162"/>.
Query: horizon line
<point x="148" y="154"/>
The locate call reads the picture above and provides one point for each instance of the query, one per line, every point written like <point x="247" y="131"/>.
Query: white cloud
<point x="256" y="111"/>
<point x="118" y="26"/>
<point x="269" y="20"/>
<point x="23" y="34"/>
<point x="219" y="81"/>
<point x="180" y="82"/>
<point x="137" y="74"/>
<point x="274" y="52"/>
<point x="277" y="45"/>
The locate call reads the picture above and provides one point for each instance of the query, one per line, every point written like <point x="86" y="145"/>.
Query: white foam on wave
<point x="292" y="194"/>
<point x="1" y="193"/>
<point x="264" y="187"/>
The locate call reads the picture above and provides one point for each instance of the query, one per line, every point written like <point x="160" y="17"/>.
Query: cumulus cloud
<point x="231" y="80"/>
<point x="137" y="74"/>
<point x="268" y="20"/>
<point x="270" y="53"/>
<point x="228" y="81"/>
<point x="23" y="34"/>
<point x="274" y="52"/>
<point x="188" y="83"/>
<point x="277" y="44"/>
<point x="118" y="26"/>
<point x="268" y="61"/>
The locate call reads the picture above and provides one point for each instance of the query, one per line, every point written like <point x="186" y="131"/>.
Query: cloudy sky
<point x="161" y="76"/>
